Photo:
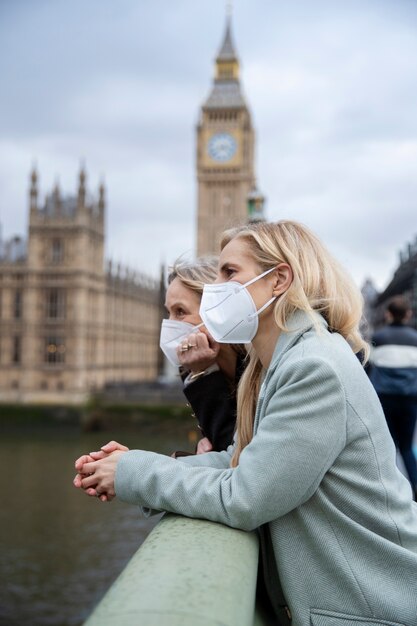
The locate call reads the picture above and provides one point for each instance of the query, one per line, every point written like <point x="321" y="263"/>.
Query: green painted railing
<point x="187" y="573"/>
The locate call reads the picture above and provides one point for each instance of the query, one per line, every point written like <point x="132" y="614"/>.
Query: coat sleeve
<point x="214" y="405"/>
<point x="220" y="460"/>
<point x="300" y="436"/>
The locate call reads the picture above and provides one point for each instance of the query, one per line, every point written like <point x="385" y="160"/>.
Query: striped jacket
<point x="394" y="360"/>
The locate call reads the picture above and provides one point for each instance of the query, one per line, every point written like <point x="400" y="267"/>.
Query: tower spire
<point x="101" y="198"/>
<point x="33" y="188"/>
<point x="227" y="63"/>
<point x="81" y="185"/>
<point x="56" y="194"/>
<point x="226" y="91"/>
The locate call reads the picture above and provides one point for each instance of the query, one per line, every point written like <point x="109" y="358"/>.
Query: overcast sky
<point x="332" y="86"/>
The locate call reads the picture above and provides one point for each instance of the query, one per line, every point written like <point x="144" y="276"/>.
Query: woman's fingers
<point x="204" y="445"/>
<point x="202" y="341"/>
<point x="89" y="481"/>
<point x="77" y="481"/>
<point x="90" y="466"/>
<point x="112" y="446"/>
<point x="192" y="340"/>
<point x="207" y="340"/>
<point x="96" y="456"/>
<point x="90" y="491"/>
<point x="213" y="344"/>
<point x="195" y="352"/>
<point x="85" y="458"/>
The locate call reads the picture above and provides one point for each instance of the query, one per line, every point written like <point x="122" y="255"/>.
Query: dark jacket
<point x="394" y="360"/>
<point x="213" y="401"/>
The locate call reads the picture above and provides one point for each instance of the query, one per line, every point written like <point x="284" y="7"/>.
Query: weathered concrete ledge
<point x="187" y="573"/>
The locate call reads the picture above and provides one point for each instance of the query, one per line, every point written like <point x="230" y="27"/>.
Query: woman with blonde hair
<point x="313" y="464"/>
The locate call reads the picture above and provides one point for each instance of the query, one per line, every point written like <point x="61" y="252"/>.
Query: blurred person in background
<point x="394" y="376"/>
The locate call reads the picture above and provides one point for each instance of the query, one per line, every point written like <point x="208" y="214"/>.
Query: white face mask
<point x="173" y="333"/>
<point x="229" y="312"/>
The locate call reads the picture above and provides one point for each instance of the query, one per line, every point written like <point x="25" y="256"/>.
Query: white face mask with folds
<point x="173" y="333"/>
<point x="229" y="312"/>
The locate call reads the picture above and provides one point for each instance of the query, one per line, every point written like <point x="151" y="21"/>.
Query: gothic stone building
<point x="403" y="283"/>
<point x="68" y="323"/>
<point x="227" y="194"/>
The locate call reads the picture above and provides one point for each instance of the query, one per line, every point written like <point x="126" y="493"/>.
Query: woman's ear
<point x="283" y="278"/>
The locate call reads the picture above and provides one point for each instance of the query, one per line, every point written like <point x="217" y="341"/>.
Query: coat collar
<point x="297" y="325"/>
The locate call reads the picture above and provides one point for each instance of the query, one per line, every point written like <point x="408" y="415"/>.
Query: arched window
<point x="17" y="308"/>
<point x="17" y="350"/>
<point x="55" y="350"/>
<point x="55" y="304"/>
<point x="57" y="253"/>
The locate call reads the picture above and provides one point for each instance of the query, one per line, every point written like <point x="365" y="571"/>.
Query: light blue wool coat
<point x="319" y="477"/>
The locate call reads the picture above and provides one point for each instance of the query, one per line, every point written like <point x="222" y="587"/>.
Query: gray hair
<point x="195" y="274"/>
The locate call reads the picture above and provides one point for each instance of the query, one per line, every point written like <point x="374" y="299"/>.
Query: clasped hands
<point x="96" y="471"/>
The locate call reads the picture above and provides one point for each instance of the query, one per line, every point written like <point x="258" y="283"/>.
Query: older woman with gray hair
<point x="210" y="370"/>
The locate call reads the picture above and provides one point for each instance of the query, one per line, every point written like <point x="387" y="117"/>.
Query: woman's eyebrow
<point x="178" y="303"/>
<point x="227" y="265"/>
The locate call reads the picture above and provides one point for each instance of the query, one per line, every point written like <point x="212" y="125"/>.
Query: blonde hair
<point x="319" y="284"/>
<point x="195" y="274"/>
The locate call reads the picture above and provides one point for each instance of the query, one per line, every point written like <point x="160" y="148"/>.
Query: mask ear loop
<point x="266" y="305"/>
<point x="237" y="289"/>
<point x="253" y="280"/>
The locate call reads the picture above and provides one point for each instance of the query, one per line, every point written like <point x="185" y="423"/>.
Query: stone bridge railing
<point x="187" y="573"/>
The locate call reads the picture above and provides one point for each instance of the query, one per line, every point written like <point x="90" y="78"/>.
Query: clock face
<point x="222" y="147"/>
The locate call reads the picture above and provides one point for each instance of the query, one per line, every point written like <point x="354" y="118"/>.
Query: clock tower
<point x="225" y="153"/>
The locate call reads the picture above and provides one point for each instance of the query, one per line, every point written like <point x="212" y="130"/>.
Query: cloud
<point x="331" y="86"/>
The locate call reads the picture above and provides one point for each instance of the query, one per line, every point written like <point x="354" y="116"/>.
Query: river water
<point x="59" y="549"/>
